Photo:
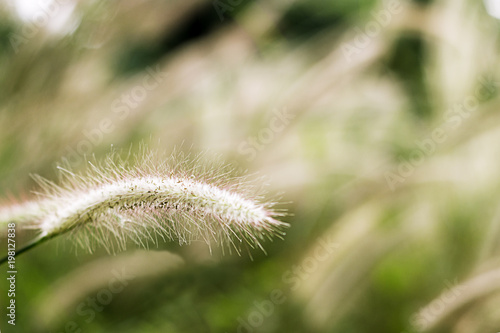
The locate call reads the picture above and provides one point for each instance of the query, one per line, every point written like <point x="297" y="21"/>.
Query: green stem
<point x="37" y="241"/>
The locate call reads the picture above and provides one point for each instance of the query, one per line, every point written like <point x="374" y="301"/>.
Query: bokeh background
<point x="377" y="121"/>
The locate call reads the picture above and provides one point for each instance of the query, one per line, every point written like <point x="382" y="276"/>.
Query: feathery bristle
<point x="152" y="197"/>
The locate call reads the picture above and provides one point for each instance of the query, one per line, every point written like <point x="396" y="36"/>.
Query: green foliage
<point x="388" y="161"/>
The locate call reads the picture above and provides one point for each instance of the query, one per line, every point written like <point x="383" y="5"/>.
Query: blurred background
<point x="377" y="121"/>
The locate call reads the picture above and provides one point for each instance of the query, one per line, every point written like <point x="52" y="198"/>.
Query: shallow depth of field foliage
<point x="384" y="148"/>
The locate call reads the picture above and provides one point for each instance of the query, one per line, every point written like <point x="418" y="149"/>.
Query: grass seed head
<point x="149" y="197"/>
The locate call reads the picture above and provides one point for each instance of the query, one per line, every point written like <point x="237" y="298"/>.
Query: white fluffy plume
<point x="146" y="198"/>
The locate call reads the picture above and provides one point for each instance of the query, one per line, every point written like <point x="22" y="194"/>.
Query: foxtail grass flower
<point x="146" y="198"/>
